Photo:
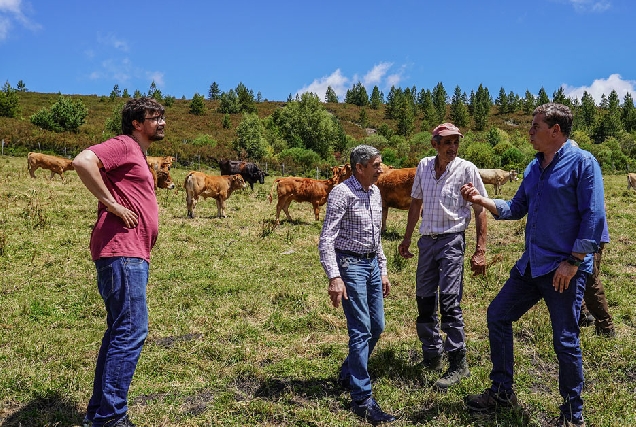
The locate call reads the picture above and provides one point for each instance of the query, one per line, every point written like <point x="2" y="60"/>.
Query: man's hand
<point x="478" y="263"/>
<point x="470" y="193"/>
<point x="563" y="275"/>
<point x="386" y="286"/>
<point x="403" y="249"/>
<point x="338" y="291"/>
<point x="129" y="217"/>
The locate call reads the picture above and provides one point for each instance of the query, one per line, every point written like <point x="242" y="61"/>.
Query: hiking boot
<point x="457" y="369"/>
<point x="434" y="363"/>
<point x="489" y="401"/>
<point x="564" y="422"/>
<point x="370" y="411"/>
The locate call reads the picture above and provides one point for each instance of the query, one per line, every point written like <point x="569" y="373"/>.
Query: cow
<point x="314" y="191"/>
<point x="249" y="171"/>
<point x="631" y="181"/>
<point x="198" y="184"/>
<point x="57" y="165"/>
<point x="395" y="188"/>
<point x="497" y="177"/>
<point x="161" y="177"/>
<point x="162" y="162"/>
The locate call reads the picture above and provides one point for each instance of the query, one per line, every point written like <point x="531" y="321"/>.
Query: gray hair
<point x="362" y="154"/>
<point x="556" y="114"/>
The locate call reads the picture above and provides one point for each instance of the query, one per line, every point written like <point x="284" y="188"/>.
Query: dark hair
<point x="136" y="109"/>
<point x="556" y="114"/>
<point x="362" y="154"/>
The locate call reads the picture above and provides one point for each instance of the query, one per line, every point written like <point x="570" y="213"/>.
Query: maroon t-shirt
<point x="129" y="180"/>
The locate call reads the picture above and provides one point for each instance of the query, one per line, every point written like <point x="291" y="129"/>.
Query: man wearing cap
<point x="439" y="276"/>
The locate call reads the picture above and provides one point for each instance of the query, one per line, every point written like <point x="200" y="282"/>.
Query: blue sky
<point x="279" y="48"/>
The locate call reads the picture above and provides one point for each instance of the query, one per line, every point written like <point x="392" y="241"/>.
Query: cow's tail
<point x="273" y="189"/>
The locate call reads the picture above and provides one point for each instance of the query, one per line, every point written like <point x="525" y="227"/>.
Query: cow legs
<point x="316" y="210"/>
<point x="220" y="207"/>
<point x="385" y="214"/>
<point x="286" y="204"/>
<point x="191" y="204"/>
<point x="32" y="173"/>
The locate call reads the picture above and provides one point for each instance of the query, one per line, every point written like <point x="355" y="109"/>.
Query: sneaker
<point x="457" y="370"/>
<point x="123" y="422"/>
<point x="489" y="401"/>
<point x="586" y="319"/>
<point x="370" y="411"/>
<point x="564" y="422"/>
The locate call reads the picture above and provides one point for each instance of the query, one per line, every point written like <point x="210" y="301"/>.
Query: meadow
<point x="242" y="332"/>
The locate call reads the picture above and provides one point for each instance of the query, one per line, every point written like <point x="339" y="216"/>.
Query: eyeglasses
<point x="156" y="119"/>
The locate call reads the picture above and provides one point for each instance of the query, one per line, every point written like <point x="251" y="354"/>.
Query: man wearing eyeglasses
<point x="116" y="173"/>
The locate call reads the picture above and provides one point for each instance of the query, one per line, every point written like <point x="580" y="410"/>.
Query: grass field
<point x="241" y="329"/>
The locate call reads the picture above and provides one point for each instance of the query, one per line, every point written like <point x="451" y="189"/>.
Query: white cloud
<point x="376" y="74"/>
<point x="155" y="76"/>
<point x="111" y="40"/>
<point x="336" y="80"/>
<point x="597" y="6"/>
<point x="603" y="86"/>
<point x="10" y="11"/>
<point x="394" y="80"/>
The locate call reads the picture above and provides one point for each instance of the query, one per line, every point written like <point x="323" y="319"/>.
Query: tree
<point x="245" y="99"/>
<point x="113" y="123"/>
<point x="9" y="102"/>
<point x="229" y="103"/>
<point x="331" y="96"/>
<point x="628" y="113"/>
<point x="404" y="114"/>
<point x="363" y="120"/>
<point x="559" y="97"/>
<point x="197" y="105"/>
<point x="439" y="102"/>
<point x="458" y="109"/>
<point x="137" y="94"/>
<point x="529" y="103"/>
<point x="586" y="115"/>
<point x="64" y="115"/>
<point x="226" y="123"/>
<point x="377" y="98"/>
<point x="115" y="93"/>
<point x="482" y="108"/>
<point x="502" y="101"/>
<point x="429" y="119"/>
<point x="513" y="102"/>
<point x="125" y="94"/>
<point x="249" y="142"/>
<point x="154" y="92"/>
<point x="214" y="92"/>
<point x="21" y="87"/>
<point x="357" y="95"/>
<point x="542" y="98"/>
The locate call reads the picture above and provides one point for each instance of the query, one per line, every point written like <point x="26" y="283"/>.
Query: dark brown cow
<point x="57" y="165"/>
<point x="314" y="191"/>
<point x="249" y="171"/>
<point x="198" y="184"/>
<point x="395" y="188"/>
<point x="162" y="177"/>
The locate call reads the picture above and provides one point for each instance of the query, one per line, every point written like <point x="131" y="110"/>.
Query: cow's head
<point x="237" y="182"/>
<point x="340" y="173"/>
<point x="164" y="180"/>
<point x="513" y="175"/>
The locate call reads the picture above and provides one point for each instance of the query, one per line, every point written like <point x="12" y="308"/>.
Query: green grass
<point x="241" y="329"/>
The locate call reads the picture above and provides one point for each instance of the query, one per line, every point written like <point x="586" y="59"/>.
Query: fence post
<point x="282" y="168"/>
<point x="317" y="173"/>
<point x="3" y="146"/>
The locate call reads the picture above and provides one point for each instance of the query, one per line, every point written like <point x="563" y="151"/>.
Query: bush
<point x="9" y="103"/>
<point x="64" y="115"/>
<point x="197" y="106"/>
<point x="204" y="141"/>
<point x="301" y="159"/>
<point x="482" y="155"/>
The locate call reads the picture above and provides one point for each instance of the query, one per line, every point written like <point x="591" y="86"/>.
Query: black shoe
<point x="564" y="422"/>
<point x="586" y="319"/>
<point x="370" y="411"/>
<point x="122" y="422"/>
<point x="489" y="401"/>
<point x="434" y="363"/>
<point x="606" y="332"/>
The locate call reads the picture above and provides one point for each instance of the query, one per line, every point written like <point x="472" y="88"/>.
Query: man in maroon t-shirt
<point x="117" y="174"/>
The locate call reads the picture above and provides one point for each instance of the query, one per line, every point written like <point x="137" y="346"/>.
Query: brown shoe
<point x="489" y="401"/>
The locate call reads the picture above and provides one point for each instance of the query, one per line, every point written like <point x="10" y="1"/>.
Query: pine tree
<point x="482" y="108"/>
<point x="214" y="93"/>
<point x="439" y="102"/>
<point x="542" y="98"/>
<point x="377" y="98"/>
<point x="559" y="97"/>
<point x="502" y="101"/>
<point x="331" y="96"/>
<point x="458" y="110"/>
<point x="628" y="113"/>
<point x="529" y="103"/>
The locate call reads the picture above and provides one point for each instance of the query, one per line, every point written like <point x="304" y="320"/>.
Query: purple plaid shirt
<point x="352" y="223"/>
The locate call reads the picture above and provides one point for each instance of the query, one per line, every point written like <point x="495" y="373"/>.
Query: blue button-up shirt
<point x="565" y="207"/>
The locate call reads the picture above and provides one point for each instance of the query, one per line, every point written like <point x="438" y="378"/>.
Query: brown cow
<point x="497" y="177"/>
<point x="162" y="162"/>
<point x="57" y="165"/>
<point x="162" y="177"/>
<point x="218" y="187"/>
<point x="395" y="188"/>
<point x="631" y="181"/>
<point x="314" y="191"/>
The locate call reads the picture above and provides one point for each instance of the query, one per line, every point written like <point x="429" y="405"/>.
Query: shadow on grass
<point x="391" y="236"/>
<point x="50" y="410"/>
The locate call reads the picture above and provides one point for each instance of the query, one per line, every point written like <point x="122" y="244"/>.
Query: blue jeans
<point x="364" y="311"/>
<point x="122" y="284"/>
<point x="518" y="295"/>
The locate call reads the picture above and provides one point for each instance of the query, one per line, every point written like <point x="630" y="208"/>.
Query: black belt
<point x="435" y="236"/>
<point x="368" y="255"/>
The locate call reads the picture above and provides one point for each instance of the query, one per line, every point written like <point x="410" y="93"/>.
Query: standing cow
<point x="395" y="188"/>
<point x="249" y="171"/>
<point x="57" y="165"/>
<point x="198" y="184"/>
<point x="497" y="177"/>
<point x="631" y="181"/>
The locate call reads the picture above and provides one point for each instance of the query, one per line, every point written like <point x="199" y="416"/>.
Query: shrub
<point x="65" y="115"/>
<point x="9" y="105"/>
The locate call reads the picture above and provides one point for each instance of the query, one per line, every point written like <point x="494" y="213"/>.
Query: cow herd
<point x="394" y="184"/>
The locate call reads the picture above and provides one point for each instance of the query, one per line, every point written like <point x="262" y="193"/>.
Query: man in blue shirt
<point x="562" y="195"/>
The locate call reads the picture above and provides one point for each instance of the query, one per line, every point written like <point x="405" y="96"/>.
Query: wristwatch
<point x="572" y="260"/>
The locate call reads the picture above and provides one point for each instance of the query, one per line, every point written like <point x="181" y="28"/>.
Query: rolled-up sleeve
<point x="336" y="209"/>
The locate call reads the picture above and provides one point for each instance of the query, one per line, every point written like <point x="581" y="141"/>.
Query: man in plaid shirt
<point x="436" y="198"/>
<point x="352" y="256"/>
